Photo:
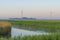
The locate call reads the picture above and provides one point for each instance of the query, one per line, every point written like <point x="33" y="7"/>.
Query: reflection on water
<point x="22" y="32"/>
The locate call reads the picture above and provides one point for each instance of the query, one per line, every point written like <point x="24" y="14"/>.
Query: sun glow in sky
<point x="31" y="8"/>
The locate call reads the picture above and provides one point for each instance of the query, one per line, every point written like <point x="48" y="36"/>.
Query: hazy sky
<point x="31" y="8"/>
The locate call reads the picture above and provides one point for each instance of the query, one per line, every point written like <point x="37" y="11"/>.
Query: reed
<point x="5" y="27"/>
<point x="53" y="36"/>
<point x="47" y="25"/>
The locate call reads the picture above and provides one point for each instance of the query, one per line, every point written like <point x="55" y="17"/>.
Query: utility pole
<point x="51" y="15"/>
<point x="21" y="13"/>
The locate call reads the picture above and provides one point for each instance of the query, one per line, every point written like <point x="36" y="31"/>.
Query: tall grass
<point x="5" y="27"/>
<point x="36" y="37"/>
<point x="48" y="25"/>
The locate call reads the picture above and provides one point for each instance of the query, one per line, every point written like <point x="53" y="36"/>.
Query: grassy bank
<point x="5" y="27"/>
<point x="36" y="37"/>
<point x="48" y="25"/>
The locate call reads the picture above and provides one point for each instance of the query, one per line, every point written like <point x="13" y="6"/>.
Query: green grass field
<point x="53" y="36"/>
<point x="48" y="25"/>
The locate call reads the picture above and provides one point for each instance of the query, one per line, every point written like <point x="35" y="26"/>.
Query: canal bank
<point x="5" y="28"/>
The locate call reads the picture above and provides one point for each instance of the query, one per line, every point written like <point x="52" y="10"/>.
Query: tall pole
<point x="50" y="15"/>
<point x="21" y="13"/>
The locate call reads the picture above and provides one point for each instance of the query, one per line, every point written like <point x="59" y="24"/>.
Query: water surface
<point x="22" y="32"/>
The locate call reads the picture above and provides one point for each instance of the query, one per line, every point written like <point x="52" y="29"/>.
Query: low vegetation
<point x="36" y="37"/>
<point x="47" y="25"/>
<point x="5" y="27"/>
